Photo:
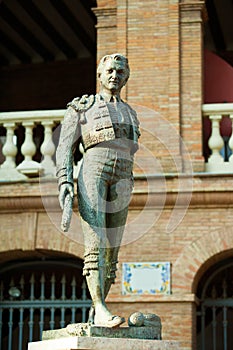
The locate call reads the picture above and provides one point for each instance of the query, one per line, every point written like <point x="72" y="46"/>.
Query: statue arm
<point x="70" y="133"/>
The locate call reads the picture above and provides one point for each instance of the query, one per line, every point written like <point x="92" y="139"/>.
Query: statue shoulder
<point x="133" y="113"/>
<point x="82" y="104"/>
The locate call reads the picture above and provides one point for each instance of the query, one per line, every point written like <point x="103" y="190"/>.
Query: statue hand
<point x="65" y="189"/>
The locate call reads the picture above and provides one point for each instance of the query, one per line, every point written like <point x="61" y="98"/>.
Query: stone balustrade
<point x="24" y="153"/>
<point x="12" y="126"/>
<point x="220" y="142"/>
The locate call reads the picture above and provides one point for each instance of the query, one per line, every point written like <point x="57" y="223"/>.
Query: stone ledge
<point x="95" y="343"/>
<point x="86" y="330"/>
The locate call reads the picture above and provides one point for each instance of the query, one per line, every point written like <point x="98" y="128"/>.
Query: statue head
<point x="113" y="72"/>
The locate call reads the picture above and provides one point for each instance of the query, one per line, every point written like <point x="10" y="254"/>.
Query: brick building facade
<point x="188" y="209"/>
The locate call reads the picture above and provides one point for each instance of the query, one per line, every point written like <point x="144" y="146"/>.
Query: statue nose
<point x="114" y="74"/>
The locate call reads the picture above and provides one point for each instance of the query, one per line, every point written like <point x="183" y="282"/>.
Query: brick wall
<point x="163" y="42"/>
<point x="202" y="236"/>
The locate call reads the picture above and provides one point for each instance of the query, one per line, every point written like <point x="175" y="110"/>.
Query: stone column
<point x="191" y="61"/>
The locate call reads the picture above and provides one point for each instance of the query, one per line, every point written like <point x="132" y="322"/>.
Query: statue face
<point x="113" y="76"/>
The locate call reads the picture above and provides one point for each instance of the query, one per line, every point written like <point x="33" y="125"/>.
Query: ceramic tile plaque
<point x="146" y="278"/>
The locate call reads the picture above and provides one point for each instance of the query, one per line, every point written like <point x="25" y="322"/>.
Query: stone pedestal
<point x="85" y="336"/>
<point x="102" y="343"/>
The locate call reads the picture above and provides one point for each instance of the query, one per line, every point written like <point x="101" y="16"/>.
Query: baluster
<point x="47" y="149"/>
<point x="214" y="326"/>
<point x="32" y="283"/>
<point x="42" y="287"/>
<point x="224" y="287"/>
<point x="73" y="285"/>
<point x="63" y="284"/>
<point x="32" y="297"/>
<point x="84" y="290"/>
<point x="22" y="283"/>
<point x="73" y="297"/>
<point x="230" y="142"/>
<point x="84" y="309"/>
<point x="29" y="167"/>
<point x="73" y="314"/>
<point x="53" y="281"/>
<point x="10" y="325"/>
<point x="52" y="321"/>
<point x="31" y="323"/>
<point x="84" y="297"/>
<point x="21" y="310"/>
<point x="9" y="150"/>
<point x="225" y="327"/>
<point x="215" y="141"/>
<point x="42" y="297"/>
<point x="203" y="328"/>
<point x="62" y="321"/>
<point x="214" y="322"/>
<point x="52" y="297"/>
<point x="41" y="323"/>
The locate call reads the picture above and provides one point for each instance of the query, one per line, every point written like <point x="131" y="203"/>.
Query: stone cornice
<point x="197" y="8"/>
<point x="192" y="5"/>
<point x="201" y="191"/>
<point x="106" y="17"/>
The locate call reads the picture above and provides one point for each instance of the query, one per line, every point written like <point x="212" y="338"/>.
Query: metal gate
<point x="37" y="296"/>
<point x="215" y="313"/>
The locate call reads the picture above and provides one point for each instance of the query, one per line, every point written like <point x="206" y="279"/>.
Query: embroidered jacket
<point x="90" y="120"/>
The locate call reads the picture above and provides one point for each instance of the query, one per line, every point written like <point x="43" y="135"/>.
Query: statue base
<point x="86" y="336"/>
<point x="100" y="343"/>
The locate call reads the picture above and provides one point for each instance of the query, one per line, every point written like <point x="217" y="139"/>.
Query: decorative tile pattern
<point x="146" y="278"/>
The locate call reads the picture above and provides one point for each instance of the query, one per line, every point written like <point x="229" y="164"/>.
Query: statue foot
<point x="111" y="321"/>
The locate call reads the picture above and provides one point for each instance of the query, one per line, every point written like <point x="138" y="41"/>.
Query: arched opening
<point x="215" y="311"/>
<point x="218" y="68"/>
<point x="37" y="295"/>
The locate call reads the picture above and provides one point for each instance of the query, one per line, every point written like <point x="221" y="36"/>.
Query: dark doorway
<point x="40" y="295"/>
<point x="215" y="312"/>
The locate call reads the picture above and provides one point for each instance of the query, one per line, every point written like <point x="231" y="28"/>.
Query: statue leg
<point x="94" y="270"/>
<point x="119" y="197"/>
<point x="93" y="219"/>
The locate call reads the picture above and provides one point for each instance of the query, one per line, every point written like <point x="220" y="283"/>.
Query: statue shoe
<point x="111" y="322"/>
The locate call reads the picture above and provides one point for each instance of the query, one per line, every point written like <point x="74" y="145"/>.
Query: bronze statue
<point x="108" y="129"/>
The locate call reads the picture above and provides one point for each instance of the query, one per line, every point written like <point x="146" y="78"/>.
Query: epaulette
<point x="82" y="104"/>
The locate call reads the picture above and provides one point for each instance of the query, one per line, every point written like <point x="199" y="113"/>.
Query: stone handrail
<point x="216" y="162"/>
<point x="11" y="121"/>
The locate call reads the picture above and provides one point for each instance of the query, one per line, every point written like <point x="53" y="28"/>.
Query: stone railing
<point x="16" y="126"/>
<point x="28" y="141"/>
<point x="220" y="142"/>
